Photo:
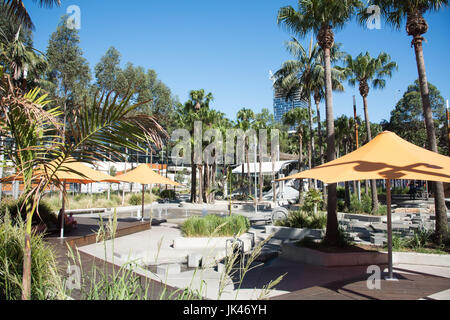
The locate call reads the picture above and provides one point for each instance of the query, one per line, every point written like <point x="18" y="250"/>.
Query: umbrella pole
<point x="143" y="191"/>
<point x="389" y="229"/>
<point x="63" y="211"/>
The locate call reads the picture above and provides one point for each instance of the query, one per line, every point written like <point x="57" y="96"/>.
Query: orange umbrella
<point x="69" y="172"/>
<point x="145" y="175"/>
<point x="386" y="157"/>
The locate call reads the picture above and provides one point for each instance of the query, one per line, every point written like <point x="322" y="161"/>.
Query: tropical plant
<point x="22" y="61"/>
<point x="321" y="17"/>
<point x="101" y="127"/>
<point x="364" y="69"/>
<point x="46" y="283"/>
<point x="16" y="10"/>
<point x="395" y="12"/>
<point x="263" y="121"/>
<point x="297" y="117"/>
<point x="245" y="119"/>
<point x="195" y="109"/>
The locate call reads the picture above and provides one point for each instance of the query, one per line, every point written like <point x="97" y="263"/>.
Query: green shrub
<point x="300" y="219"/>
<point x="45" y="281"/>
<point x="340" y="191"/>
<point x="44" y="214"/>
<point x="313" y="200"/>
<point x="215" y="226"/>
<point x="343" y="239"/>
<point x="363" y="206"/>
<point x="341" y="206"/>
<point x="168" y="194"/>
<point x="135" y="199"/>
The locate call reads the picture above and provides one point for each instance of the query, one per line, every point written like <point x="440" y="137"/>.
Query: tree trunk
<point x="311" y="139"/>
<point x="319" y="128"/>
<point x="26" y="274"/>
<point x="326" y="41"/>
<point x="193" y="180"/>
<point x="261" y="178"/>
<point x="300" y="164"/>
<point x="373" y="183"/>
<point x="347" y="184"/>
<point x="437" y="187"/>
<point x="206" y="184"/>
<point x="248" y="168"/>
<point x="200" y="184"/>
<point x="214" y="173"/>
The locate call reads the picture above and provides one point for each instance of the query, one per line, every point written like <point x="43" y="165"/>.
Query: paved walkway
<point x="85" y="234"/>
<point x="301" y="282"/>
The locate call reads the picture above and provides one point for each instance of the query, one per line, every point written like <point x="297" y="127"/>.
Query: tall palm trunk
<point x="312" y="163"/>
<point x="416" y="26"/>
<point x="261" y="179"/>
<point x="319" y="128"/>
<point x="193" y="179"/>
<point x="200" y="184"/>
<point x="373" y="182"/>
<point x="347" y="184"/>
<point x="326" y="41"/>
<point x="300" y="164"/>
<point x="206" y="183"/>
<point x="247" y="158"/>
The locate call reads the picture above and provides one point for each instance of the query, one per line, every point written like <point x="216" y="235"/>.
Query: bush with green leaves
<point x="343" y="239"/>
<point x="168" y="194"/>
<point x="365" y="205"/>
<point x="301" y="219"/>
<point x="340" y="192"/>
<point x="213" y="225"/>
<point x="313" y="200"/>
<point x="44" y="214"/>
<point x="45" y="281"/>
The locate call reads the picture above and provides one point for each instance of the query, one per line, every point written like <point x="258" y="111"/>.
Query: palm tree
<point x="321" y="17"/>
<point x="263" y="121"/>
<point x="102" y="127"/>
<point x="297" y="117"/>
<point x="344" y="136"/>
<point x="395" y="13"/>
<point x="195" y="109"/>
<point x="20" y="59"/>
<point x="245" y="118"/>
<point x="318" y="86"/>
<point x="364" y="69"/>
<point x="15" y="9"/>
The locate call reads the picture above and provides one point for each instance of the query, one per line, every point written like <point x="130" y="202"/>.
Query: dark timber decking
<point x="410" y="286"/>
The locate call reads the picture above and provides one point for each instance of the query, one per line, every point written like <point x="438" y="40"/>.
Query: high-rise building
<point x="281" y="105"/>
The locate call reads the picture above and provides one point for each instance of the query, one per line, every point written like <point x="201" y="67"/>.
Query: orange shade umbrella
<point x="69" y="172"/>
<point x="145" y="175"/>
<point x="386" y="157"/>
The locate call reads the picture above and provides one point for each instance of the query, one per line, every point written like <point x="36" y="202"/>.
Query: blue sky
<point x="228" y="48"/>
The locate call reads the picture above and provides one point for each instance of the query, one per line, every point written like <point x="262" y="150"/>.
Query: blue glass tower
<point x="282" y="106"/>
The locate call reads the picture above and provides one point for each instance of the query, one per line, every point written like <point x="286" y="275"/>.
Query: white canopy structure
<point x="266" y="167"/>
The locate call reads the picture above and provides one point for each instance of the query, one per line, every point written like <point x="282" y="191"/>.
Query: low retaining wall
<point x="211" y="243"/>
<point x="437" y="260"/>
<point x="286" y="233"/>
<point x="314" y="257"/>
